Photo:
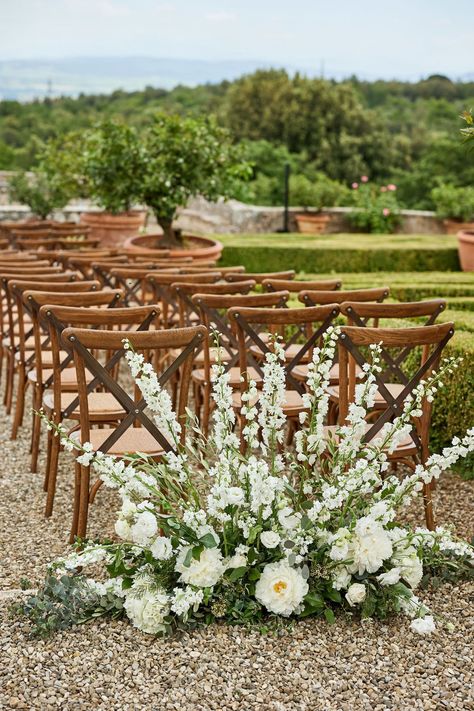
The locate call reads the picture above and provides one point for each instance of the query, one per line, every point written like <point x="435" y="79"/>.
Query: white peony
<point x="371" y="546"/>
<point x="148" y="612"/>
<point x="356" y="594"/>
<point x="144" y="528"/>
<point x="238" y="560"/>
<point x="202" y="573"/>
<point x="161" y="548"/>
<point x="411" y="567"/>
<point x="270" y="539"/>
<point x="341" y="578"/>
<point x="281" y="588"/>
<point x="423" y="625"/>
<point x="391" y="577"/>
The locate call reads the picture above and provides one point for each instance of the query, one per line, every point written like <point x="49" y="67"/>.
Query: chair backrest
<point x="260" y="277"/>
<point x="237" y="272"/>
<point x="85" y="343"/>
<point x="313" y="297"/>
<point x="58" y="317"/>
<point x="184" y="290"/>
<point x="359" y="313"/>
<point x="213" y="309"/>
<point x="296" y="327"/>
<point x="296" y="286"/>
<point x="353" y="344"/>
<point x="163" y="295"/>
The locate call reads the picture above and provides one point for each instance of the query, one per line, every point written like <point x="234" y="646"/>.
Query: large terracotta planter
<point x="312" y="224"/>
<point x="195" y="246"/>
<point x="453" y="227"/>
<point x="113" y="230"/>
<point x="466" y="250"/>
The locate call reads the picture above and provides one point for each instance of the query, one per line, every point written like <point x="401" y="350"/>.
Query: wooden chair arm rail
<point x="171" y="338"/>
<point x="226" y="301"/>
<point x="320" y="296"/>
<point x="396" y="337"/>
<point x="404" y="309"/>
<point x="283" y="316"/>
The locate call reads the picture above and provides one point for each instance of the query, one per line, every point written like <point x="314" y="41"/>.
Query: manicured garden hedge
<point x="334" y="253"/>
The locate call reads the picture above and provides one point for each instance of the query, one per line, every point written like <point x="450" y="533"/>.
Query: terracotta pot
<point x="453" y="227"/>
<point x="197" y="247"/>
<point x="113" y="230"/>
<point x="312" y="224"/>
<point x="466" y="250"/>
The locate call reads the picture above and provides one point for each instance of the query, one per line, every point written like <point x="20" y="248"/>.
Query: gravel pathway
<point x="310" y="667"/>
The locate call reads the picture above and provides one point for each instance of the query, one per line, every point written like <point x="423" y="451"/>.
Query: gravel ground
<point x="109" y="665"/>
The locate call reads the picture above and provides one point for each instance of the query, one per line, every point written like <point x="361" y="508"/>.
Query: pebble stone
<point x="350" y="666"/>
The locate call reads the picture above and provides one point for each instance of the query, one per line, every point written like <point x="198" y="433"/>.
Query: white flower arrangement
<point x="209" y="532"/>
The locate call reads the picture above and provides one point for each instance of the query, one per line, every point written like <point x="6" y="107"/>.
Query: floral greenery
<point x="377" y="209"/>
<point x="210" y="532"/>
<point x="42" y="195"/>
<point x="454" y="203"/>
<point x="468" y="130"/>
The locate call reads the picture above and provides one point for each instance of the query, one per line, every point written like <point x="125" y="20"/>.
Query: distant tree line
<point x="391" y="131"/>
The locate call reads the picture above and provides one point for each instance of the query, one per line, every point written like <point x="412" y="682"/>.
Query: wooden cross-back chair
<point x="222" y="345"/>
<point x="41" y="374"/>
<point x="238" y="271"/>
<point x="129" y="277"/>
<point x="314" y="297"/>
<point x="62" y="402"/>
<point x="299" y="329"/>
<point x="260" y="277"/>
<point x="163" y="295"/>
<point x="136" y="431"/>
<point x="185" y="288"/>
<point x="430" y="342"/>
<point x="296" y="286"/>
<point x="10" y="328"/>
<point x="85" y="264"/>
<point x="21" y="343"/>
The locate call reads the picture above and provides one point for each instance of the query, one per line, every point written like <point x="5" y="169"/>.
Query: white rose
<point x="411" y="570"/>
<point x="288" y="519"/>
<point x="237" y="561"/>
<point x="341" y="578"/>
<point x="269" y="539"/>
<point x="161" y="548"/>
<point x="356" y="594"/>
<point x="202" y="573"/>
<point x="391" y="577"/>
<point x="281" y="588"/>
<point x="144" y="528"/>
<point x="372" y="545"/>
<point x="235" y="495"/>
<point x="147" y="613"/>
<point x="423" y="625"/>
<point x="122" y="529"/>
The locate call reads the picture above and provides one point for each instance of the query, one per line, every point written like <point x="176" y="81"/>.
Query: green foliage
<point x="112" y="164"/>
<point x="318" y="193"/>
<point x="377" y="209"/>
<point x="38" y="192"/>
<point x="468" y="130"/>
<point x="454" y="203"/>
<point x="61" y="160"/>
<point x="187" y="157"/>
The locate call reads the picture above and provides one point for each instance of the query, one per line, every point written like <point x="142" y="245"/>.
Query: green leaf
<point x="254" y="574"/>
<point x="329" y="615"/>
<point x="208" y="540"/>
<point x="237" y="573"/>
<point x="188" y="558"/>
<point x="196" y="551"/>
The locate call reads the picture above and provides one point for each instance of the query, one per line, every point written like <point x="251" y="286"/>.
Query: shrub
<point x="318" y="193"/>
<point x="38" y="192"/>
<point x="454" y="203"/>
<point x="377" y="209"/>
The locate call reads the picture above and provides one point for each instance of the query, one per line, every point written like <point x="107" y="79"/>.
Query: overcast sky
<point x="407" y="38"/>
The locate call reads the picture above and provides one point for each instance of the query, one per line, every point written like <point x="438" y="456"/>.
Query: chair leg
<point x="8" y="398"/>
<point x="83" y="501"/>
<point x="36" y="429"/>
<point x="428" y="504"/>
<point x="20" y="402"/>
<point x="76" y="503"/>
<point x="52" y="475"/>
<point x="48" y="459"/>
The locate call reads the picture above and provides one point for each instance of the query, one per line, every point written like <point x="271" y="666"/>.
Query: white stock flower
<point x="356" y="594"/>
<point x="148" y="611"/>
<point x="144" y="528"/>
<point x="341" y="578"/>
<point x="269" y="539"/>
<point x="423" y="625"/>
<point x="281" y="588"/>
<point x="161" y="548"/>
<point x="183" y="599"/>
<point x="123" y="529"/>
<point x="202" y="573"/>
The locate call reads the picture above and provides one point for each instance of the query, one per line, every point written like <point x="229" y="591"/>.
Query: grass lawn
<point x="339" y="241"/>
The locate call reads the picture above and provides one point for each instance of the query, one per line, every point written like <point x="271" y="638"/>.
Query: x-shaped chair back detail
<point x="213" y="311"/>
<point x="352" y="342"/>
<point x="41" y="326"/>
<point x="297" y="286"/>
<point x="85" y="341"/>
<point x="359" y="314"/>
<point x="313" y="297"/>
<point x="185" y="290"/>
<point x="99" y="320"/>
<point x="310" y="323"/>
<point x="167" y="298"/>
<point x="260" y="277"/>
<point x="133" y="281"/>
